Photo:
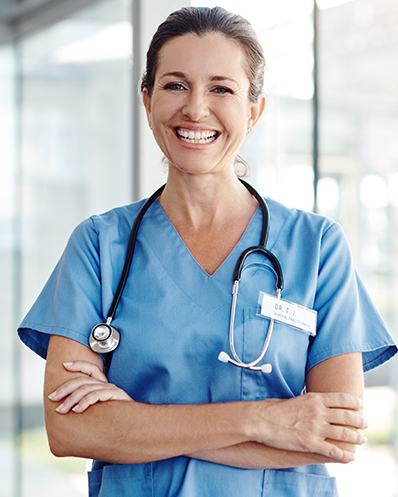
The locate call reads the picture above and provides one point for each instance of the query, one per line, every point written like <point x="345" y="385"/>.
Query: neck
<point x="199" y="201"/>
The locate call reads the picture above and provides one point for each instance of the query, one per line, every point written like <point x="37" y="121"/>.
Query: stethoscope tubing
<point x="235" y="289"/>
<point x="130" y="253"/>
<point x="113" y="336"/>
<point x="248" y="365"/>
<point x="269" y="255"/>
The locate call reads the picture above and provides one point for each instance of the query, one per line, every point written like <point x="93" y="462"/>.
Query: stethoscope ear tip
<point x="266" y="368"/>
<point x="223" y="357"/>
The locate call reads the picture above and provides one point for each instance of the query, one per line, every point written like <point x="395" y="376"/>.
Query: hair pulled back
<point x="203" y="21"/>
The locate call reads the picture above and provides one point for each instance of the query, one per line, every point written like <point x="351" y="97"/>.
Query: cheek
<point x="236" y="115"/>
<point x="163" y="110"/>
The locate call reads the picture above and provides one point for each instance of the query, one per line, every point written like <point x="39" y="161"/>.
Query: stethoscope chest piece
<point x="104" y="338"/>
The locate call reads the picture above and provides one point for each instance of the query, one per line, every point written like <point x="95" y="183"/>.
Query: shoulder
<point x="110" y="223"/>
<point x="294" y="225"/>
<point x="123" y="216"/>
<point x="293" y="215"/>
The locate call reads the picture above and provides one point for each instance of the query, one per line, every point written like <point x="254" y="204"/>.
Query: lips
<point x="197" y="137"/>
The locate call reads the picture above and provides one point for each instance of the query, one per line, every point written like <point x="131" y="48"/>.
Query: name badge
<point x="302" y="318"/>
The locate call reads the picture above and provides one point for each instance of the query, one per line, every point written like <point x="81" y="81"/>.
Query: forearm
<point x="127" y="432"/>
<point x="252" y="455"/>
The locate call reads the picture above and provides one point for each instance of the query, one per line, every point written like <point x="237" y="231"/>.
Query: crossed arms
<point x="88" y="417"/>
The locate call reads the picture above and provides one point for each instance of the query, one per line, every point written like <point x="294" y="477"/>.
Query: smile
<point x="196" y="136"/>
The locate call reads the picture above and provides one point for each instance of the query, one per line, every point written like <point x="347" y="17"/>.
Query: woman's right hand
<point x="311" y="423"/>
<point x="81" y="392"/>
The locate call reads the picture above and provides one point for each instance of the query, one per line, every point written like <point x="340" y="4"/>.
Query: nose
<point x="195" y="106"/>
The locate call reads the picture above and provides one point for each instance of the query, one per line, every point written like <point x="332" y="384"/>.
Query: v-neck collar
<point x="208" y="291"/>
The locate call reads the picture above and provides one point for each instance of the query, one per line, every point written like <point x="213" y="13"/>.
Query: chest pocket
<point x="287" y="354"/>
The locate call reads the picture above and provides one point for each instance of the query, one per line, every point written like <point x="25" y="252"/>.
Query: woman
<point x="168" y="419"/>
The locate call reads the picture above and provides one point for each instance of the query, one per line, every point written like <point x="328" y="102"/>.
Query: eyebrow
<point x="223" y="78"/>
<point x="177" y="74"/>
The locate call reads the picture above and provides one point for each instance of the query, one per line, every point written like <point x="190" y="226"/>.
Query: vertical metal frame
<point x="315" y="107"/>
<point x="136" y="142"/>
<point x="17" y="419"/>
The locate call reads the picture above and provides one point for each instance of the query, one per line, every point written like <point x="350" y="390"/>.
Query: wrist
<point x="250" y="421"/>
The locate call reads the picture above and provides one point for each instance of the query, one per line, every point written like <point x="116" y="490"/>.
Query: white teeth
<point x="196" y="137"/>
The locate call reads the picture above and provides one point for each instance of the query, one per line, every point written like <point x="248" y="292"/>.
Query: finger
<point x="325" y="446"/>
<point x="70" y="386"/>
<point x="93" y="398"/>
<point x="342" y="401"/>
<point x="332" y="451"/>
<point x="347" y="435"/>
<point x="77" y="396"/>
<point x="346" y="418"/>
<point x="87" y="368"/>
<point x="85" y="396"/>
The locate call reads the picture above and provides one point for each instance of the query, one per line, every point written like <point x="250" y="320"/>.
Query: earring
<point x="249" y="130"/>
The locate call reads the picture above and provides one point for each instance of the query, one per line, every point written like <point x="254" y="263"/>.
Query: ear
<point x="256" y="111"/>
<point x="147" y="104"/>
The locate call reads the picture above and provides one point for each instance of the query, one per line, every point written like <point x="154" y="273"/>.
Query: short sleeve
<point x="347" y="318"/>
<point x="70" y="302"/>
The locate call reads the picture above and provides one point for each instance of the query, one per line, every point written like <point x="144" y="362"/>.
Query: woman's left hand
<point x="85" y="390"/>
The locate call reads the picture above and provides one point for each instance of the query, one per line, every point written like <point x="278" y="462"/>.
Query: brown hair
<point x="202" y="21"/>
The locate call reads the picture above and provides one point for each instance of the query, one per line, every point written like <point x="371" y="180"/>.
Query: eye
<point x="222" y="90"/>
<point x="174" y="87"/>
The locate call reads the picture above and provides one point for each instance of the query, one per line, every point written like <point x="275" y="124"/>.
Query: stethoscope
<point x="104" y="338"/>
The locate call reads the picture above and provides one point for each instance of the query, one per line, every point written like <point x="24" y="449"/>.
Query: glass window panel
<point x="7" y="172"/>
<point x="359" y="126"/>
<point x="76" y="161"/>
<point x="358" y="164"/>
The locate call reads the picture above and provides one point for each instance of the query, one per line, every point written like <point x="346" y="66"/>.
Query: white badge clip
<point x="289" y="313"/>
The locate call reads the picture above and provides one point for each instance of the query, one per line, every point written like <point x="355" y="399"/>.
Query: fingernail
<point x="52" y="395"/>
<point x="68" y="364"/>
<point x="364" y="439"/>
<point x="75" y="408"/>
<point x="59" y="407"/>
<point x="351" y="457"/>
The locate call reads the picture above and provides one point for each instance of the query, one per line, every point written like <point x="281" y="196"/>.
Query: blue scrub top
<point x="174" y="320"/>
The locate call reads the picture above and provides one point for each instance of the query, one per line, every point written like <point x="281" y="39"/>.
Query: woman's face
<point x="199" y="109"/>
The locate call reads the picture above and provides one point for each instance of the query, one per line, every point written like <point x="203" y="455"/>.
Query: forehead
<point x="210" y="55"/>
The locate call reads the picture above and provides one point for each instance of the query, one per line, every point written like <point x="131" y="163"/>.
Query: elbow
<point x="57" y="445"/>
<point x="66" y="438"/>
<point x="57" y="449"/>
<point x="60" y="439"/>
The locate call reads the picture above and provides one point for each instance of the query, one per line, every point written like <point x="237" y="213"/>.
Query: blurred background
<point x="74" y="141"/>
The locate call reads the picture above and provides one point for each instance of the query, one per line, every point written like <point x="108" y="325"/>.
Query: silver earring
<point x="249" y="130"/>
